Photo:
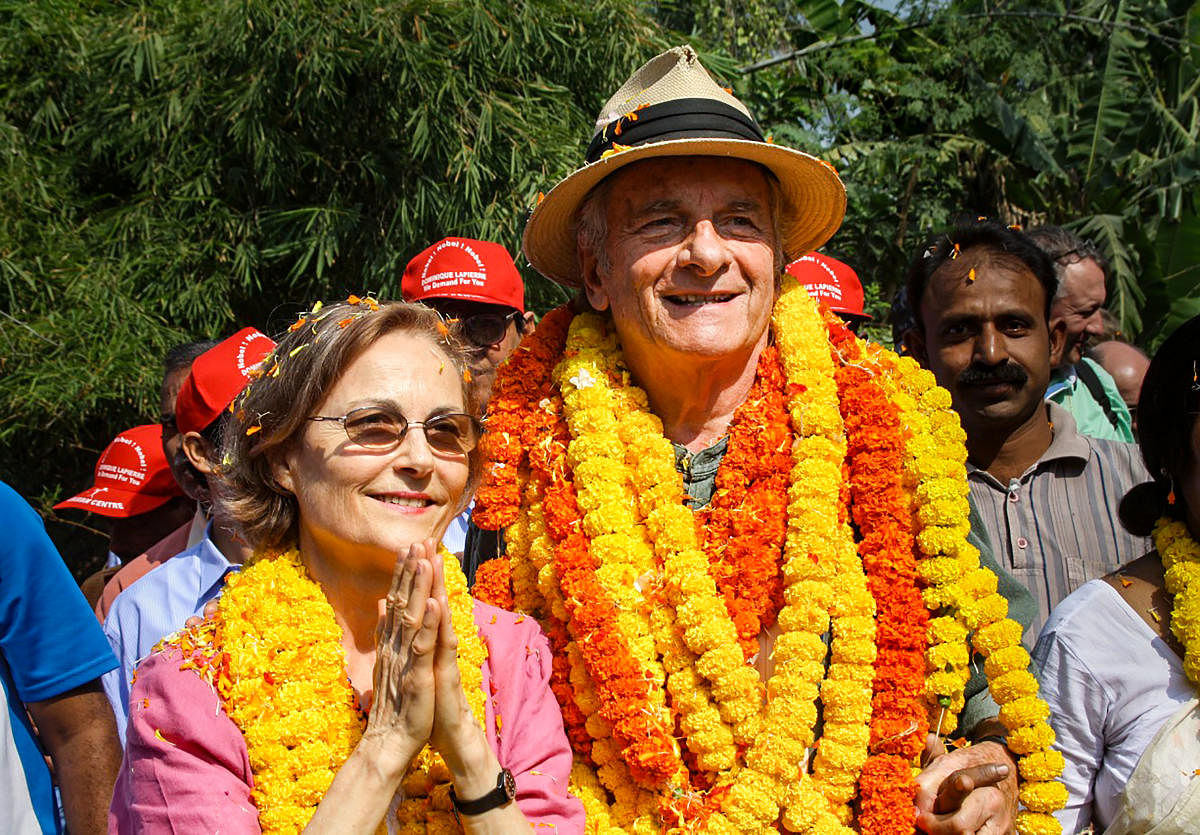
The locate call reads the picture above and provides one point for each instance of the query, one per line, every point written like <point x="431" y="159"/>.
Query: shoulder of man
<point x="49" y="641"/>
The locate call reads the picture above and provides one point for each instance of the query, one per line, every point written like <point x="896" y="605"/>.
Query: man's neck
<point x="1007" y="455"/>
<point x="695" y="398"/>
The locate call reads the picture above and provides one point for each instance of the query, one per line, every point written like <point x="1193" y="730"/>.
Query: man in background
<point x="1079" y="384"/>
<point x="102" y="587"/>
<point x="1127" y="365"/>
<point x="833" y="283"/>
<point x="52" y="655"/>
<point x="475" y="285"/>
<point x="161" y="601"/>
<point x="133" y="487"/>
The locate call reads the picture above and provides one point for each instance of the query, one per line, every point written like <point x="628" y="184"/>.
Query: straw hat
<point x="671" y="107"/>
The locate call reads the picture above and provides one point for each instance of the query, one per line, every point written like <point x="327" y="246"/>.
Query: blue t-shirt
<point x="50" y="643"/>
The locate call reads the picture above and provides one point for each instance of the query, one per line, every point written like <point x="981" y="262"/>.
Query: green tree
<point x="1084" y="115"/>
<point x="178" y="168"/>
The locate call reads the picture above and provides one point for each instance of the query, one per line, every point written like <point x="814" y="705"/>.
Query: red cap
<point x="217" y="377"/>
<point x="829" y="280"/>
<point x="132" y="476"/>
<point x="462" y="268"/>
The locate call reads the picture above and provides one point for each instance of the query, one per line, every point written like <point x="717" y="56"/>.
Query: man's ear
<point x="914" y="345"/>
<point x="593" y="288"/>
<point x="1058" y="341"/>
<point x="199" y="452"/>
<point x="530" y="323"/>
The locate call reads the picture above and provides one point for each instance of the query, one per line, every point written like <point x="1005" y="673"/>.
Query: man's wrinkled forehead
<point x="663" y="178"/>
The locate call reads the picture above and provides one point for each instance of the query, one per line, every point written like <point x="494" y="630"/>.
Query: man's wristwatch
<point x="505" y="791"/>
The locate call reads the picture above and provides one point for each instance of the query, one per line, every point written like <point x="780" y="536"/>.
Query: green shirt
<point x="1068" y="390"/>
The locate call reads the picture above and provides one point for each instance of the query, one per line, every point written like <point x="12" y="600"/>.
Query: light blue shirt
<point x="154" y="607"/>
<point x="455" y="538"/>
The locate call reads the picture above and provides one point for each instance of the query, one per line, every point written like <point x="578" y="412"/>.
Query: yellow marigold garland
<point x="1180" y="557"/>
<point x="962" y="596"/>
<point x="281" y="674"/>
<point x="632" y="488"/>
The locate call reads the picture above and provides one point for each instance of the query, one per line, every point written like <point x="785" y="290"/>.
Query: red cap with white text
<point x="462" y="268"/>
<point x="829" y="280"/>
<point x="132" y="476"/>
<point x="217" y="377"/>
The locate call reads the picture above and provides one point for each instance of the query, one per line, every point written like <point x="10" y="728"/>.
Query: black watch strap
<point x="504" y="792"/>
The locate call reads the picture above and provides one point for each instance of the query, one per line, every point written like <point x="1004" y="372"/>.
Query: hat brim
<point x="118" y="504"/>
<point x="814" y="199"/>
<point x="465" y="296"/>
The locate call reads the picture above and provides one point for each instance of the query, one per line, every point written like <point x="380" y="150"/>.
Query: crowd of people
<point x="685" y="553"/>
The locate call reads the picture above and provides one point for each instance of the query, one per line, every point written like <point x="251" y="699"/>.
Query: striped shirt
<point x="1055" y="527"/>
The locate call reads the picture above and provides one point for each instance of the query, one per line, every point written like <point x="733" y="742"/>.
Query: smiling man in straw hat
<point x="692" y="644"/>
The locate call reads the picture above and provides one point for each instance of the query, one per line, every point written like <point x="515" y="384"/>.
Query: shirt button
<point x="1014" y="497"/>
<point x="1022" y="542"/>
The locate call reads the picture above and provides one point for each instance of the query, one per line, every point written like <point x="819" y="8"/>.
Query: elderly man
<point x="696" y="378"/>
<point x="1080" y="384"/>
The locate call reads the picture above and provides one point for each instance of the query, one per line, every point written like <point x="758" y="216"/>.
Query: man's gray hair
<point x="1065" y="248"/>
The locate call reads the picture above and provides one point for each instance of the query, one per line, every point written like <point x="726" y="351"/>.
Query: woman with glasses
<point x="347" y="679"/>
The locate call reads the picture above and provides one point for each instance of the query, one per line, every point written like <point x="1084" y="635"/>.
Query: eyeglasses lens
<point x="383" y="429"/>
<point x="452" y="433"/>
<point x="375" y="428"/>
<point x="485" y="329"/>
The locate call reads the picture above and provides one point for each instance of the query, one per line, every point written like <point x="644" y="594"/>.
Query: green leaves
<point x="181" y="168"/>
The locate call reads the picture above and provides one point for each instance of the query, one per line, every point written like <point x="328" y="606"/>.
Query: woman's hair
<point x="270" y="416"/>
<point x="1166" y="414"/>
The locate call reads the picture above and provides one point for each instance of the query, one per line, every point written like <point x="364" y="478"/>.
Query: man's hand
<point x="971" y="790"/>
<point x="80" y="735"/>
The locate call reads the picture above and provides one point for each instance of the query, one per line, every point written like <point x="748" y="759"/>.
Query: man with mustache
<point x="1047" y="495"/>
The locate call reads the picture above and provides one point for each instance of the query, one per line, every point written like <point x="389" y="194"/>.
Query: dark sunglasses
<point x="381" y="428"/>
<point x="484" y="329"/>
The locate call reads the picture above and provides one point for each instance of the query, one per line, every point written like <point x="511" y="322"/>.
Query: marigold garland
<point x="962" y="595"/>
<point x="274" y="654"/>
<point x="602" y="516"/>
<point x="1180" y="557"/>
<point x="744" y="523"/>
<point x="880" y="509"/>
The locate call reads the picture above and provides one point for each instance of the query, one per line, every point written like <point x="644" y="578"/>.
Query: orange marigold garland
<point x="493" y="584"/>
<point x="526" y="381"/>
<point x="743" y="525"/>
<point x="893" y="490"/>
<point x="880" y="509"/>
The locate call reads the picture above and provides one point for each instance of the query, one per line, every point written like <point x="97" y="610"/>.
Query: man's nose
<point x="990" y="346"/>
<point x="704" y="250"/>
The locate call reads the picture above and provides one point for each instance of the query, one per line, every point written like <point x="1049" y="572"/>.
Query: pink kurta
<point x="186" y="768"/>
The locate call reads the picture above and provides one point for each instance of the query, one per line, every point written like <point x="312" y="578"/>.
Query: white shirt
<point x="1110" y="683"/>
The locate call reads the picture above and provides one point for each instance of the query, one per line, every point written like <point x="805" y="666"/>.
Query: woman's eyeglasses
<point x="381" y="428"/>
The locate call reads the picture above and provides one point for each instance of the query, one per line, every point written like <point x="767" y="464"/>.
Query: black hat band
<point x="677" y="119"/>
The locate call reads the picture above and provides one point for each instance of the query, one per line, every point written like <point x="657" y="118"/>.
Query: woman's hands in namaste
<point x="403" y="696"/>
<point x="418" y="695"/>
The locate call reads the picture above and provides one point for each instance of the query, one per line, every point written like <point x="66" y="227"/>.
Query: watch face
<point x="508" y="783"/>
